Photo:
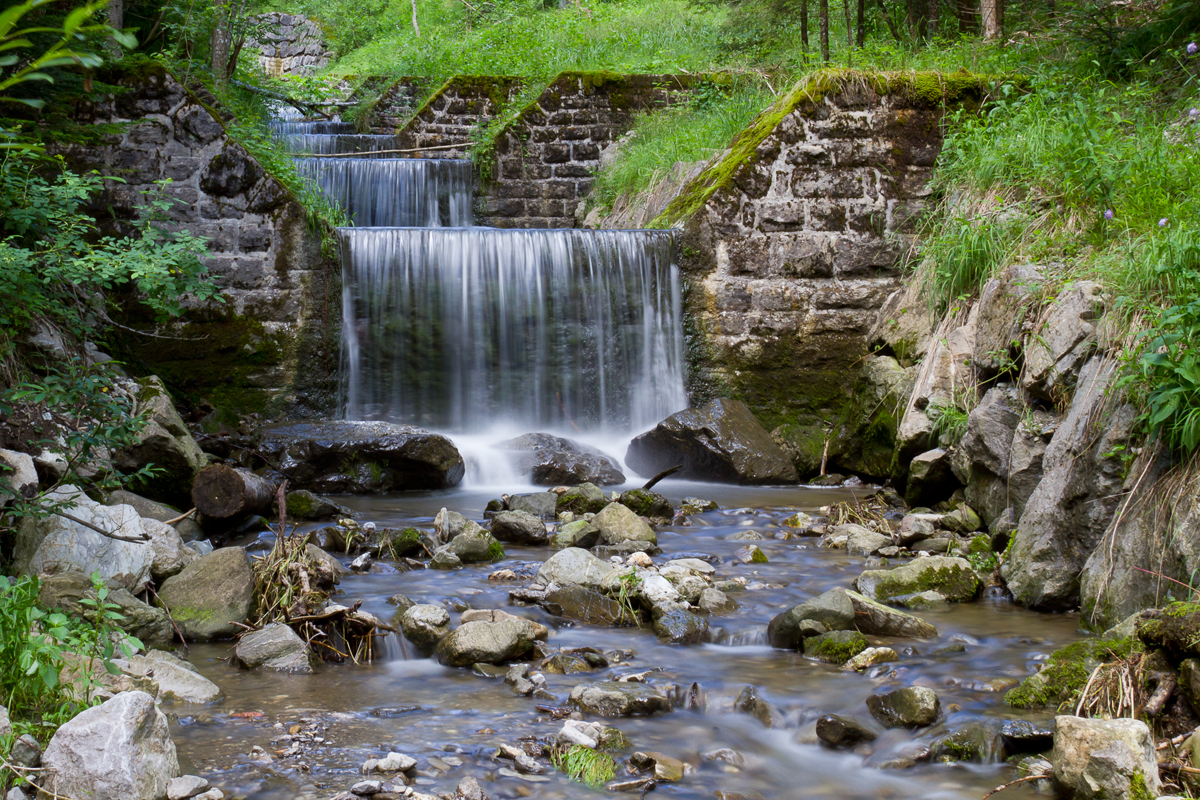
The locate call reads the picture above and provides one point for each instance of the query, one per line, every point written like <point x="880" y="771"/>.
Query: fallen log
<point x="221" y="492"/>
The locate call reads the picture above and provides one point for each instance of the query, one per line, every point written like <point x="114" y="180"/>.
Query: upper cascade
<point x="395" y="192"/>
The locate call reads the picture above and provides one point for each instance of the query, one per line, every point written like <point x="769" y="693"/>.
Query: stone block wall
<point x="442" y="127"/>
<point x="396" y="104"/>
<point x="546" y="159"/>
<point x="271" y="345"/>
<point x="794" y="238"/>
<point x="288" y="44"/>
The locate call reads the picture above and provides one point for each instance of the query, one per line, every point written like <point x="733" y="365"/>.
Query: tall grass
<point x="693" y="131"/>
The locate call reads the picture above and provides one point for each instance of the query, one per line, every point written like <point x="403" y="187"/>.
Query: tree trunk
<point x="993" y="19"/>
<point x="849" y="26"/>
<point x="931" y="28"/>
<point x="221" y="40"/>
<point x="862" y="26"/>
<point x="116" y="20"/>
<point x="222" y="492"/>
<point x="823" y="11"/>
<point x="804" y="25"/>
<point x="968" y="21"/>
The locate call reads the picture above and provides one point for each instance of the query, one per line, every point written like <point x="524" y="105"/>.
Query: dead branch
<point x="664" y="474"/>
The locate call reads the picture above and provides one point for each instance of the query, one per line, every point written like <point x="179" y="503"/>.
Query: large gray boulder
<point x="209" y="596"/>
<point x="341" y="456"/>
<point x="940" y="378"/>
<point x="178" y="681"/>
<point x="118" y="750"/>
<point x="618" y="698"/>
<point x="164" y="442"/>
<point x="1096" y="759"/>
<point x="425" y="625"/>
<point x="1004" y="303"/>
<point x="54" y="544"/>
<point x="275" y="647"/>
<point x="64" y="591"/>
<point x="171" y="555"/>
<point x="1074" y="503"/>
<point x="833" y="610"/>
<point x="481" y="642"/>
<point x="1064" y="341"/>
<point x="574" y="566"/>
<point x="519" y="527"/>
<point x="722" y="441"/>
<point x="189" y="529"/>
<point x="952" y="578"/>
<point x="587" y="605"/>
<point x="540" y="504"/>
<point x="18" y="476"/>
<point x="553" y="461"/>
<point x="930" y="479"/>
<point x="876" y="619"/>
<point x="616" y="524"/>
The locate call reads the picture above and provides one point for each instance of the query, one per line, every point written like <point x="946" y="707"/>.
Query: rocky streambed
<point x="278" y="735"/>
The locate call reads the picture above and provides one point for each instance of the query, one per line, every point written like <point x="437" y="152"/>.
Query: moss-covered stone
<point x="582" y="499"/>
<point x="952" y="578"/>
<point x="835" y="647"/>
<point x="647" y="504"/>
<point x="1066" y="672"/>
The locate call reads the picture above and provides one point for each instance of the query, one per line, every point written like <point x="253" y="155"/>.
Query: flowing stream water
<point x="470" y="330"/>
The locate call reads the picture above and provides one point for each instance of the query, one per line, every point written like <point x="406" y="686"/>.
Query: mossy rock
<point x="1175" y="627"/>
<point x="398" y="543"/>
<point x="1066" y="672"/>
<point x="647" y="504"/>
<point x="835" y="647"/>
<point x="952" y="578"/>
<point x="582" y="499"/>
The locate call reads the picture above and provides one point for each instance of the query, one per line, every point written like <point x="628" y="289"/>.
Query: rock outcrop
<point x="554" y="461"/>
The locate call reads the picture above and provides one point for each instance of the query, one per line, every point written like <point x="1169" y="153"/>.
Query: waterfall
<point x="340" y="143"/>
<point x="422" y="192"/>
<point x="463" y="329"/>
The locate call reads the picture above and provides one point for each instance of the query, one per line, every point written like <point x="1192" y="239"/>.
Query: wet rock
<point x="750" y="703"/>
<point x="911" y="707"/>
<point x="952" y="578"/>
<point x="647" y="504"/>
<point x="835" y="647"/>
<point x="714" y="601"/>
<point x="618" y="698"/>
<point x="976" y="741"/>
<point x="575" y="534"/>
<point x="425" y="625"/>
<point x="469" y="789"/>
<point x="574" y="566"/>
<point x="833" y="609"/>
<point x="178" y="681"/>
<point x="666" y="768"/>
<point x="697" y="505"/>
<point x="64" y="592"/>
<point x="582" y="499"/>
<point x="869" y="658"/>
<point x="518" y="681"/>
<point x="366" y="788"/>
<point x="275" y="647"/>
<point x="396" y="762"/>
<point x="1023" y="736"/>
<point x="328" y="564"/>
<point x="962" y="520"/>
<point x="1095" y="758"/>
<point x="681" y="627"/>
<point x="342" y="456"/>
<point x="913" y="529"/>
<point x="489" y="642"/>
<point x="519" y="527"/>
<point x="475" y="545"/>
<point x="189" y="529"/>
<point x="837" y="731"/>
<point x="722" y="441"/>
<point x="750" y="554"/>
<point x="185" y="787"/>
<point x="304" y="505"/>
<point x="876" y="619"/>
<point x="584" y="604"/>
<point x="540" y="504"/>
<point x="554" y="461"/>
<point x="402" y="602"/>
<point x="566" y="664"/>
<point x="118" y="750"/>
<point x="448" y="524"/>
<point x="616" y="524"/>
<point x="211" y="594"/>
<point x="445" y="559"/>
<point x="746" y="536"/>
<point x="53" y="544"/>
<point x="165" y="442"/>
<point x="861" y="541"/>
<point x="171" y="555"/>
<point x="929" y="478"/>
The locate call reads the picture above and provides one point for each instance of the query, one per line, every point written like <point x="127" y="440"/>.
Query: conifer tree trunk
<point x="993" y="19"/>
<point x="116" y="19"/>
<point x="849" y="27"/>
<point x="219" y="42"/>
<point x="804" y="25"/>
<point x="862" y="27"/>
<point x="932" y="28"/>
<point x="823" y="11"/>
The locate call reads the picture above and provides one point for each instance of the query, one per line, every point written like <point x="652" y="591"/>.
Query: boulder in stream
<point x="722" y="441"/>
<point x="952" y="578"/>
<point x="475" y="545"/>
<point x="618" y="698"/>
<point x="343" y="456"/>
<point x="211" y="595"/>
<point x="574" y="565"/>
<point x="616" y="524"/>
<point x="1097" y="758"/>
<point x="519" y="527"/>
<point x="425" y="625"/>
<point x="481" y="642"/>
<point x="118" y="750"/>
<point x="833" y="610"/>
<point x="835" y="647"/>
<point x="876" y="619"/>
<point x="911" y="707"/>
<point x="582" y="499"/>
<point x="275" y="647"/>
<point x="838" y="731"/>
<point x="555" y="461"/>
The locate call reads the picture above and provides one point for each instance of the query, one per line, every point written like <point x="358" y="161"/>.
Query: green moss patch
<point x="1066" y="672"/>
<point x="835" y="647"/>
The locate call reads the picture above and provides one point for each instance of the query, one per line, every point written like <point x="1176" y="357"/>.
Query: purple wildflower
<point x="1108" y="213"/>
<point x="1162" y="223"/>
<point x="1195" y="112"/>
<point x="1192" y="48"/>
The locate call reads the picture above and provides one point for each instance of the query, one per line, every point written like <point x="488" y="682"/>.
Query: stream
<point x="451" y="720"/>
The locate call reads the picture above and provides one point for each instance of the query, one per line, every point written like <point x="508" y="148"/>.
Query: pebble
<point x="211" y="794"/>
<point x="186" y="786"/>
<point x="366" y="788"/>
<point x="396" y="762"/>
<point x="508" y="773"/>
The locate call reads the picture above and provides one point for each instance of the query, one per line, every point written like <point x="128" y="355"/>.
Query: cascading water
<point x="470" y="330"/>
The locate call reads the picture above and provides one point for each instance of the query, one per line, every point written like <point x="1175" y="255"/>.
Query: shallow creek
<point x="451" y="720"/>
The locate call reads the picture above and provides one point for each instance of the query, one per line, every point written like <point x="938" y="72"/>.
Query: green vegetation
<point x="835" y="647"/>
<point x="1066" y="672"/>
<point x="585" y="765"/>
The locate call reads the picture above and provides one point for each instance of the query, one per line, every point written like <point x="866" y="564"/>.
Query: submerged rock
<point x="554" y="461"/>
<point x="837" y="731"/>
<point x="618" y="698"/>
<point x="681" y="627"/>
<point x="721" y="441"/>
<point x="118" y="750"/>
<point x="341" y="456"/>
<point x="911" y="707"/>
<point x="835" y="647"/>
<point x="209" y="596"/>
<point x="976" y="741"/>
<point x="1099" y="759"/>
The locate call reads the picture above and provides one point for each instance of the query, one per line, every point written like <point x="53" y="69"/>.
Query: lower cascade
<point x="456" y="328"/>
<point x="423" y="192"/>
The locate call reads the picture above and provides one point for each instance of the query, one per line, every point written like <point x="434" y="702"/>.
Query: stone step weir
<point x="407" y="192"/>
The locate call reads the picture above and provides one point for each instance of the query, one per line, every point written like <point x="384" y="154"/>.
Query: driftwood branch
<point x="665" y="473"/>
<point x="379" y="152"/>
<point x="139" y="540"/>
<point x="280" y="96"/>
<point x="171" y="619"/>
<point x="180" y="518"/>
<point x="1002" y="787"/>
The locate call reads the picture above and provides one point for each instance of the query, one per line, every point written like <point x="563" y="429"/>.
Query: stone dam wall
<point x="288" y="44"/>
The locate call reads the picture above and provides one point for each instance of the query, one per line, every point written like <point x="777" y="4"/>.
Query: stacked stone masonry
<point x="396" y="104"/>
<point x="289" y="44"/>
<point x="444" y="125"/>
<point x="245" y="351"/>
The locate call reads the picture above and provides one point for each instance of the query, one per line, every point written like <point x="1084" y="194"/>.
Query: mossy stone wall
<point x="271" y="345"/>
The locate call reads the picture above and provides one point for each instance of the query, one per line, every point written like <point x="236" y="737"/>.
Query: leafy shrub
<point x="1170" y="369"/>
